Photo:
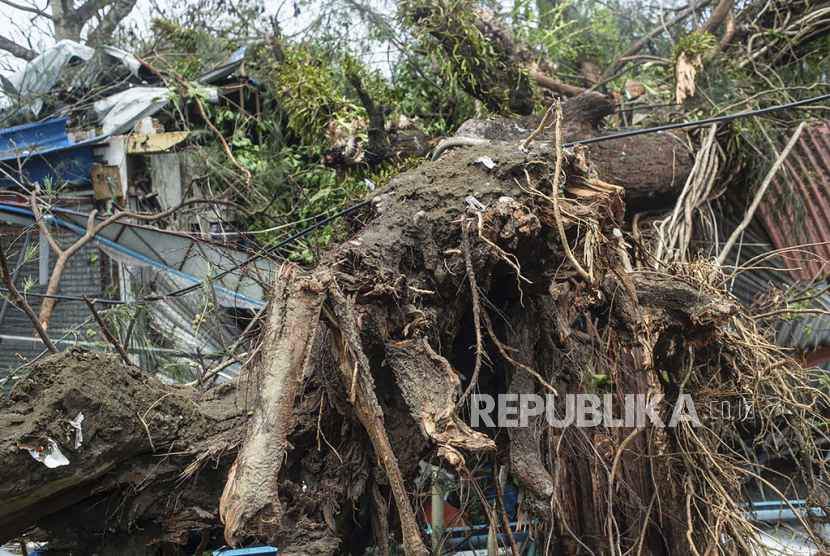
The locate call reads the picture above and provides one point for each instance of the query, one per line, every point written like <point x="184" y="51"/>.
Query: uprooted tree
<point x="466" y="280"/>
<point x="359" y="379"/>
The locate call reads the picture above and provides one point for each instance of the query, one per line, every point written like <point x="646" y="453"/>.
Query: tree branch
<point x="378" y="142"/>
<point x="117" y="12"/>
<point x="647" y="38"/>
<point x="88" y="9"/>
<point x="22" y="303"/>
<point x="719" y="15"/>
<point x="42" y="225"/>
<point x="30" y="9"/>
<point x="16" y="50"/>
<point x="556" y="86"/>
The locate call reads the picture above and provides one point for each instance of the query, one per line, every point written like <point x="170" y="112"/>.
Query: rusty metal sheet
<point x="796" y="209"/>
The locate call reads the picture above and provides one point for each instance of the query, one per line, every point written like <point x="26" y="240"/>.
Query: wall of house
<point x="89" y="272"/>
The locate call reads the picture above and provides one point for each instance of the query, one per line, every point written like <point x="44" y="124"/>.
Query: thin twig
<point x="106" y="331"/>
<point x="538" y="131"/>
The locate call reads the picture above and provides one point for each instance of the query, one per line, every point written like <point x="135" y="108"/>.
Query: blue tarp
<point x="35" y="152"/>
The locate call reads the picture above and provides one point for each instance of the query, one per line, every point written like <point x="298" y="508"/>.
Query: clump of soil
<point x="125" y="413"/>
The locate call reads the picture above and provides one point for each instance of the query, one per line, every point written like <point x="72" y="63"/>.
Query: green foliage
<point x="692" y="44"/>
<point x="441" y="112"/>
<point x="551" y="30"/>
<point x="309" y="93"/>
<point x="568" y="32"/>
<point x="189" y="51"/>
<point x="467" y="59"/>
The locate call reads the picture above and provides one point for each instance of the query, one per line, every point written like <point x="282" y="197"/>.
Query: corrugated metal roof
<point x="796" y="209"/>
<point x="170" y="332"/>
<point x="178" y="252"/>
<point x="85" y="273"/>
<point x="807" y="332"/>
<point x="35" y="152"/>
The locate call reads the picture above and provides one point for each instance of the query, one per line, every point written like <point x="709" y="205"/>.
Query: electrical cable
<point x="681" y="125"/>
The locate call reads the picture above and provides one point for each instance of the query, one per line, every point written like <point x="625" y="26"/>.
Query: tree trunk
<point x="359" y="381"/>
<point x="651" y="168"/>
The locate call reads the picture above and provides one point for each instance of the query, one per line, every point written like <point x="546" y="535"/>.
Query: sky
<point x="36" y="33"/>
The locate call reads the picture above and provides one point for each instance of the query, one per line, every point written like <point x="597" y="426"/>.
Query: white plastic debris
<point x="79" y="433"/>
<point x="370" y="184"/>
<point x="505" y="199"/>
<point x="474" y="204"/>
<point x="617" y="233"/>
<point x="486" y="161"/>
<point x="49" y="455"/>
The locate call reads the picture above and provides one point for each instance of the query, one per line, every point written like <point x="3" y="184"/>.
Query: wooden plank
<point x="106" y="183"/>
<point x="149" y="143"/>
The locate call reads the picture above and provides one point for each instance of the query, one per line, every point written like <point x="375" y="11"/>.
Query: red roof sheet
<point x="796" y="209"/>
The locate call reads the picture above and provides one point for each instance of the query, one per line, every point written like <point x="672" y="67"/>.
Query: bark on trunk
<point x="652" y="168"/>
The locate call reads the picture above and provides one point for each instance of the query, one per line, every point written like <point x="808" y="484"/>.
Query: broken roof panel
<point x="119" y="112"/>
<point x="233" y="63"/>
<point x="42" y="74"/>
<point x="796" y="209"/>
<point x="33" y="153"/>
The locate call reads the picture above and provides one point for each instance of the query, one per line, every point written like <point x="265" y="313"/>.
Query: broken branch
<point x="21" y="301"/>
<point x="106" y="331"/>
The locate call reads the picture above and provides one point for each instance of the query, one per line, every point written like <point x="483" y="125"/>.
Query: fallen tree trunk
<point x="363" y="360"/>
<point x="650" y="167"/>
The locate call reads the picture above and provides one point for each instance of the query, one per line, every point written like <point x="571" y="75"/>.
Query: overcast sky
<point x="36" y="33"/>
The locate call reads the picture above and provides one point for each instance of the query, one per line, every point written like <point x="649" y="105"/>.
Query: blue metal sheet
<point x="32" y="153"/>
<point x="244" y="551"/>
<point x="227" y="68"/>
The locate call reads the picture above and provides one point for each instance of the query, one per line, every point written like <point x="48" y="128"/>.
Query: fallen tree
<point x="492" y="271"/>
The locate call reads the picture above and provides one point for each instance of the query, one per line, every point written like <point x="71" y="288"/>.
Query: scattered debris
<point x="474" y="204"/>
<point x="486" y="161"/>
<point x="49" y="455"/>
<point x="79" y="433"/>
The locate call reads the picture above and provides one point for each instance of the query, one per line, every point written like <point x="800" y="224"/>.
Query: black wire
<point x="353" y="208"/>
<point x="270" y="250"/>
<point x="73" y="298"/>
<point x="682" y="125"/>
